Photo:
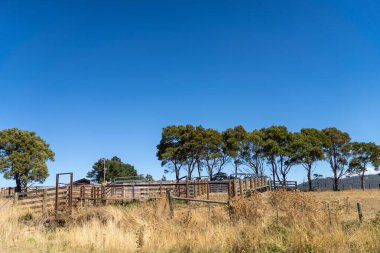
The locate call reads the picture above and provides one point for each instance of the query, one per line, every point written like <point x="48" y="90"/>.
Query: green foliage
<point x="170" y="150"/>
<point x="278" y="149"/>
<point x="308" y="149"/>
<point x="253" y="154"/>
<point x="149" y="177"/>
<point x="213" y="152"/>
<point x="337" y="148"/>
<point x="23" y="157"/>
<point x="364" y="155"/>
<point x="114" y="168"/>
<point x="233" y="144"/>
<point x="184" y="148"/>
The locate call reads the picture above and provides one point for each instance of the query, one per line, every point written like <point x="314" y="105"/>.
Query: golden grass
<point x="268" y="222"/>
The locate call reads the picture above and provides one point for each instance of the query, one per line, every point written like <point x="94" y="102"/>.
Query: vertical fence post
<point x="235" y="188"/>
<point x="15" y="200"/>
<point x="170" y="200"/>
<point x="229" y="203"/>
<point x="241" y="188"/>
<point x="44" y="200"/>
<point x="360" y="212"/>
<point x="84" y="196"/>
<point x="187" y="187"/>
<point x="229" y="189"/>
<point x="93" y="195"/>
<point x="103" y="194"/>
<point x="133" y="192"/>
<point x="207" y="189"/>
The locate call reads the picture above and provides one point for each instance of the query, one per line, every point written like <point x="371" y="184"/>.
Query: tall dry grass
<point x="269" y="222"/>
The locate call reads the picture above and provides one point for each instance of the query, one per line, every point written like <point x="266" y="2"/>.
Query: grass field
<point x="268" y="222"/>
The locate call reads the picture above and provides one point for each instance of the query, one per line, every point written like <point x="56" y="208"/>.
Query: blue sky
<point x="97" y="79"/>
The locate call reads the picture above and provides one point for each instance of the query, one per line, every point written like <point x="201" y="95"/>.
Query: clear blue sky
<point x="101" y="78"/>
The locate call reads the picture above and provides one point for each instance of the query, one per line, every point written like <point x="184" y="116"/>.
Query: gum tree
<point x="278" y="150"/>
<point x="23" y="157"/>
<point x="337" y="149"/>
<point x="364" y="155"/>
<point x="308" y="150"/>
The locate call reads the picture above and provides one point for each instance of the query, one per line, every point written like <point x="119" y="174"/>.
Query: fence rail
<point x="42" y="199"/>
<point x="65" y="197"/>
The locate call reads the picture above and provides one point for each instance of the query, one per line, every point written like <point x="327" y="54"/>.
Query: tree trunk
<point x="309" y="178"/>
<point x="283" y="180"/>
<point x="18" y="184"/>
<point x="199" y="169"/>
<point x="177" y="174"/>
<point x="236" y="168"/>
<point x="362" y="181"/>
<point x="336" y="184"/>
<point x="273" y="175"/>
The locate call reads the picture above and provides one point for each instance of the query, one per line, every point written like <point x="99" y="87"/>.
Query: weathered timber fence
<point x="290" y="185"/>
<point x="88" y="195"/>
<point x="171" y="202"/>
<point x="63" y="198"/>
<point x="41" y="200"/>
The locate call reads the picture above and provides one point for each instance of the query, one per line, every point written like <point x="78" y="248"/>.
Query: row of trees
<point x="274" y="149"/>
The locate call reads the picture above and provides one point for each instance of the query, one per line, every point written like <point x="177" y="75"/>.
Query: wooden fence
<point x="68" y="196"/>
<point x="290" y="185"/>
<point x="87" y="195"/>
<point x="42" y="200"/>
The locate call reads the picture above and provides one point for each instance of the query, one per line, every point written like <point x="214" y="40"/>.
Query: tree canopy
<point x="274" y="150"/>
<point x="337" y="148"/>
<point x="114" y="168"/>
<point x="23" y="157"/>
<point x="364" y="155"/>
<point x="308" y="149"/>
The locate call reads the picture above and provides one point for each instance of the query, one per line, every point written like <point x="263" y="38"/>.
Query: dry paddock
<point x="265" y="222"/>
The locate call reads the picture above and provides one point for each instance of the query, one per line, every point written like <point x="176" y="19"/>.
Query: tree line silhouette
<point x="273" y="150"/>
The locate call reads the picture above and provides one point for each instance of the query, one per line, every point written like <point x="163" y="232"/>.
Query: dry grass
<point x="269" y="222"/>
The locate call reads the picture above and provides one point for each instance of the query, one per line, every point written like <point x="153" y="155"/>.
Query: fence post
<point x="241" y="188"/>
<point x="207" y="189"/>
<point x="15" y="201"/>
<point x="93" y="195"/>
<point x="170" y="200"/>
<point x="229" y="209"/>
<point x="360" y="212"/>
<point x="84" y="196"/>
<point x="234" y="182"/>
<point x="103" y="194"/>
<point x="187" y="187"/>
<point x="44" y="199"/>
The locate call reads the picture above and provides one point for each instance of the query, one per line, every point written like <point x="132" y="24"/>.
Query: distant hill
<point x="371" y="182"/>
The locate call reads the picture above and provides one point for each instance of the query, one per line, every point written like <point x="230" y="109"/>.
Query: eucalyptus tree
<point x="253" y="152"/>
<point x="364" y="155"/>
<point x="308" y="150"/>
<point x="23" y="157"/>
<point x="114" y="168"/>
<point x="278" y="150"/>
<point x="170" y="150"/>
<point x="212" y="154"/>
<point x="233" y="139"/>
<point x="190" y="149"/>
<point x="337" y="149"/>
